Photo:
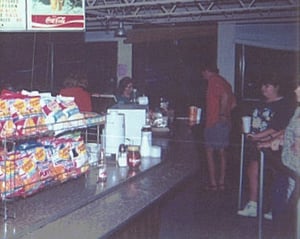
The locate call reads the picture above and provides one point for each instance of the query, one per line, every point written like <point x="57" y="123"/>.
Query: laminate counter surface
<point x="83" y="208"/>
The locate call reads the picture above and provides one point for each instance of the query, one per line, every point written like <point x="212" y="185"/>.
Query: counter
<point x="83" y="208"/>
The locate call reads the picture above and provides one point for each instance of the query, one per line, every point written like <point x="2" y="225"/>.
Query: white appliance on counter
<point x="114" y="132"/>
<point x="135" y="119"/>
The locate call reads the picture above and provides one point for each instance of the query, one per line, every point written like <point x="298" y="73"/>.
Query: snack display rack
<point x="81" y="127"/>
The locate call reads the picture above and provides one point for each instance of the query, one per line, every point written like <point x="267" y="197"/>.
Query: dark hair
<point x="70" y="82"/>
<point x="124" y="82"/>
<point x="270" y="79"/>
<point x="210" y="66"/>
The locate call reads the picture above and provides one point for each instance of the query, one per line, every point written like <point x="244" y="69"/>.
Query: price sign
<point x="12" y="15"/>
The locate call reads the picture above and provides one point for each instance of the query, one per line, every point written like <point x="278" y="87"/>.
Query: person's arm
<point x="274" y="143"/>
<point x="265" y="135"/>
<point x="224" y="104"/>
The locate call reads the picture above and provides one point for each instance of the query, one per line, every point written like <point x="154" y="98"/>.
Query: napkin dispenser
<point x="135" y="119"/>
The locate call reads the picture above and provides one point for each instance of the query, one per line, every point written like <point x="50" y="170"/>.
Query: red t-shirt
<point x="82" y="98"/>
<point x="217" y="86"/>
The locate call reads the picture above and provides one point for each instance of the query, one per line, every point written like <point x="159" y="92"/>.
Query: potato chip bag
<point x="41" y="125"/>
<point x="4" y="108"/>
<point x="79" y="156"/>
<point x="17" y="107"/>
<point x="7" y="127"/>
<point x="27" y="171"/>
<point x="25" y="126"/>
<point x="39" y="156"/>
<point x="33" y="104"/>
<point x="10" y="183"/>
<point x="61" y="166"/>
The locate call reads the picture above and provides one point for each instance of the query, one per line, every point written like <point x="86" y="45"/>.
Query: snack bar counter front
<point x="126" y="205"/>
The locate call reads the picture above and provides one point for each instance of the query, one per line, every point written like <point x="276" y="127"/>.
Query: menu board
<point x="12" y="15"/>
<point x="55" y="15"/>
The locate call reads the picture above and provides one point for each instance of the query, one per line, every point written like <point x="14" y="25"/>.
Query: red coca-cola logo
<point x="55" y="20"/>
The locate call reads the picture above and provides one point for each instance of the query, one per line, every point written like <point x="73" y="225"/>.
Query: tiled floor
<point x="194" y="213"/>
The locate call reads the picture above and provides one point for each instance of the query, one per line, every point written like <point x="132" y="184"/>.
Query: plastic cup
<point x="199" y="110"/>
<point x="246" y="124"/>
<point x="193" y="113"/>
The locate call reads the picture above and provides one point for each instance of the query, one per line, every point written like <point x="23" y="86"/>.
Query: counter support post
<point x="241" y="171"/>
<point x="260" y="193"/>
<point x="298" y="220"/>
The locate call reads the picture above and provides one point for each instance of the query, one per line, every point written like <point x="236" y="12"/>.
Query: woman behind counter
<point x="75" y="86"/>
<point x="125" y="91"/>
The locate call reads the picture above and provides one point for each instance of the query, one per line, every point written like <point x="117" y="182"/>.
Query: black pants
<point x="283" y="208"/>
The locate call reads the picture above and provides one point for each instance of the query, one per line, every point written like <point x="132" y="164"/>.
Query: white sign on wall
<point x="12" y="15"/>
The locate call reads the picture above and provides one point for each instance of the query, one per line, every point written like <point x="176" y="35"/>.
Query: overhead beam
<point x="170" y="33"/>
<point x="108" y="13"/>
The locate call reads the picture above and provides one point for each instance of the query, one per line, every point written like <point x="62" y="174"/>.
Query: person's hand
<point x="263" y="145"/>
<point x="252" y="137"/>
<point x="275" y="144"/>
<point x="259" y="137"/>
<point x="272" y="144"/>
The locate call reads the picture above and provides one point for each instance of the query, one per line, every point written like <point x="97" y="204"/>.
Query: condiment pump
<point x="122" y="156"/>
<point x="146" y="141"/>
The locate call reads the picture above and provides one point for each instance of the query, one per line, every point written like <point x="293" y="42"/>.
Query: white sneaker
<point x="250" y="210"/>
<point x="268" y="215"/>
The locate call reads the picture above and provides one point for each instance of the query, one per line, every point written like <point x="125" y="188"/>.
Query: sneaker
<point x="250" y="210"/>
<point x="268" y="215"/>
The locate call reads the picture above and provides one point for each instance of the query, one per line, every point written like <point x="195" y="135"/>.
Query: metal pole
<point x="52" y="67"/>
<point x="7" y="177"/>
<point x="260" y="195"/>
<point x="5" y="182"/>
<point x="297" y="236"/>
<point x="98" y="133"/>
<point x="241" y="171"/>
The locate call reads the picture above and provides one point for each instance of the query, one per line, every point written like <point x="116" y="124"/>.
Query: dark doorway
<point x="98" y="60"/>
<point x="40" y="61"/>
<point x="254" y="62"/>
<point x="170" y="69"/>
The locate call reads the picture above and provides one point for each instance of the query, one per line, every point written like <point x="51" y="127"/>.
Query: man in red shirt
<point x="220" y="101"/>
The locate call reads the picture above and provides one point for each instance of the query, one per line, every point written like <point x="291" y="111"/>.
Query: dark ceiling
<point x="106" y="14"/>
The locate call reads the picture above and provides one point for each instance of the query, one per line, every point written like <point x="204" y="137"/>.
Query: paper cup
<point x="246" y="124"/>
<point x="193" y="110"/>
<point x="199" y="110"/>
<point x="155" y="151"/>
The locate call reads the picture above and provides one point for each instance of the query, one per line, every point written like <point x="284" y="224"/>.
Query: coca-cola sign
<point x="56" y="15"/>
<point x="55" y="20"/>
<point x="42" y="15"/>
